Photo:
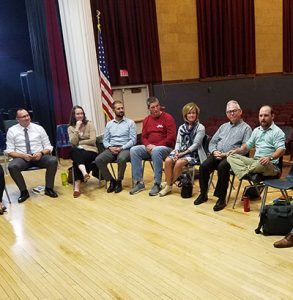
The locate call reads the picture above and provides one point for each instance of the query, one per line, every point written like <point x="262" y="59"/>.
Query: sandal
<point x="76" y="194"/>
<point x="86" y="177"/>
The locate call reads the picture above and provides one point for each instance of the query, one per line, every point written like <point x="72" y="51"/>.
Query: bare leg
<point x="77" y="185"/>
<point x="169" y="164"/>
<point x="82" y="170"/>
<point x="179" y="164"/>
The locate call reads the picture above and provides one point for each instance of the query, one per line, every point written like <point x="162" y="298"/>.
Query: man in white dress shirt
<point x="28" y="144"/>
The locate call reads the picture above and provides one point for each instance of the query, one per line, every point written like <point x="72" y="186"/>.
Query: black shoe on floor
<point x="118" y="187"/>
<point x="49" y="192"/>
<point x="200" y="199"/>
<point x="23" y="196"/>
<point x="111" y="188"/>
<point x="221" y="204"/>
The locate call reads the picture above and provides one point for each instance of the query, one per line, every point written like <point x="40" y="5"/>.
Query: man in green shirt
<point x="269" y="142"/>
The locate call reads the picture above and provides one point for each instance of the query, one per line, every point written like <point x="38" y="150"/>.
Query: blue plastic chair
<point x="62" y="138"/>
<point x="283" y="185"/>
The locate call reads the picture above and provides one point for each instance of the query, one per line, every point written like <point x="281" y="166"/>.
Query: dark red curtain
<point x="60" y="82"/>
<point x="287" y="36"/>
<point x="226" y="37"/>
<point x="130" y="34"/>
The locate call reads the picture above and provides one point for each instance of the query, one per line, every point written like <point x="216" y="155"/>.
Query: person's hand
<point x="264" y="160"/>
<point x="37" y="156"/>
<point x="78" y="125"/>
<point x="217" y="154"/>
<point x="27" y="157"/>
<point x="115" y="150"/>
<point x="150" y="148"/>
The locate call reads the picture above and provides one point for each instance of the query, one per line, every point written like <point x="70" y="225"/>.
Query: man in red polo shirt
<point x="158" y="140"/>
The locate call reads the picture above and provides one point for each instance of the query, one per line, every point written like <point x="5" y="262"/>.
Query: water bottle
<point x="246" y="204"/>
<point x="64" y="179"/>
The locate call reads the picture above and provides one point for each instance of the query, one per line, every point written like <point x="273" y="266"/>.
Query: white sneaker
<point x="166" y="190"/>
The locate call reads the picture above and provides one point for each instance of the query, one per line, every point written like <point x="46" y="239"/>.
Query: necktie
<point x="27" y="142"/>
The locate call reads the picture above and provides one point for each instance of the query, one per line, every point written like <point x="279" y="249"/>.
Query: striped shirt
<point x="230" y="136"/>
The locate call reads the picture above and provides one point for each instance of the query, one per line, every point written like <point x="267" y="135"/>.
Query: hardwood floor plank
<point x="119" y="246"/>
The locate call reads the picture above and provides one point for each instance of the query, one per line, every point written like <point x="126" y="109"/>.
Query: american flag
<point x="107" y="98"/>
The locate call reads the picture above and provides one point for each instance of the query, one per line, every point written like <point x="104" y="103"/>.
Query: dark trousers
<point x="207" y="167"/>
<point x="81" y="157"/>
<point x="106" y="157"/>
<point x="17" y="165"/>
<point x="2" y="183"/>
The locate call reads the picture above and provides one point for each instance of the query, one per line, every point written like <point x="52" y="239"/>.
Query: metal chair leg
<point x="113" y="171"/>
<point x="238" y="190"/>
<point x="231" y="187"/>
<point x="264" y="198"/>
<point x="7" y="194"/>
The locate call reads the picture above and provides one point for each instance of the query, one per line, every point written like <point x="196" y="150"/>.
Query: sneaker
<point x="166" y="190"/>
<point x="155" y="189"/>
<point x="138" y="188"/>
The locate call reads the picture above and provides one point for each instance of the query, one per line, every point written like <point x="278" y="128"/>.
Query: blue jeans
<point x="158" y="155"/>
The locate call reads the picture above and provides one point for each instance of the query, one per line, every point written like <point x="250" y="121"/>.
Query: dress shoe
<point x="76" y="194"/>
<point x="286" y="242"/>
<point x="221" y="204"/>
<point x="118" y="186"/>
<point x="200" y="199"/>
<point x="23" y="196"/>
<point x="49" y="192"/>
<point x="254" y="177"/>
<point x="111" y="188"/>
<point x="2" y="210"/>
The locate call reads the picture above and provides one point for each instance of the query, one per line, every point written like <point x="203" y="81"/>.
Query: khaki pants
<point x="242" y="165"/>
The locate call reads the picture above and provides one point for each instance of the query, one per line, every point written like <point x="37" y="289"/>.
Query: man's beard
<point x="120" y="115"/>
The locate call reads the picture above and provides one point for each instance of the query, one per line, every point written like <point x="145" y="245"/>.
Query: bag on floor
<point x="276" y="220"/>
<point x="186" y="185"/>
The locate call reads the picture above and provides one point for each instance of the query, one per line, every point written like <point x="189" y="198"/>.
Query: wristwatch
<point x="271" y="158"/>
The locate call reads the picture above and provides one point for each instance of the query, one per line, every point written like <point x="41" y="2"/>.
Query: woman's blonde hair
<point x="187" y="108"/>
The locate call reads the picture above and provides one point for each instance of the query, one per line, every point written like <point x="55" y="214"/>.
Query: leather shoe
<point x="23" y="196"/>
<point x="118" y="186"/>
<point x="111" y="188"/>
<point x="254" y="177"/>
<point x="49" y="192"/>
<point x="200" y="199"/>
<point x="221" y="204"/>
<point x="286" y="242"/>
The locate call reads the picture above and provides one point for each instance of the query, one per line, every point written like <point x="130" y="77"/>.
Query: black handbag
<point x="275" y="220"/>
<point x="186" y="185"/>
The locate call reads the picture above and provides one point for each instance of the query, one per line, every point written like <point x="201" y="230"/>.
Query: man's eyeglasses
<point x="233" y="111"/>
<point x="23" y="117"/>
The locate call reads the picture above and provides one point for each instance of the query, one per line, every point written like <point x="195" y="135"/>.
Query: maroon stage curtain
<point x="226" y="37"/>
<point x="287" y="36"/>
<point x="60" y="82"/>
<point x="59" y="75"/>
<point x="131" y="42"/>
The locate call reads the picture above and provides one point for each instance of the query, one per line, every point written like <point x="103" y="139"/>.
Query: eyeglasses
<point x="23" y="117"/>
<point x="229" y="112"/>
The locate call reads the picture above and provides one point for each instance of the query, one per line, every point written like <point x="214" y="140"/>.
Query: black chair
<point x="283" y="185"/>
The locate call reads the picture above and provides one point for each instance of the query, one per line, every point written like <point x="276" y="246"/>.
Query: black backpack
<point x="275" y="220"/>
<point x="186" y="185"/>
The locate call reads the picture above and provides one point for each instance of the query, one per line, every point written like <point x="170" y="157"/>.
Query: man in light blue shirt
<point x="119" y="137"/>
<point x="269" y="142"/>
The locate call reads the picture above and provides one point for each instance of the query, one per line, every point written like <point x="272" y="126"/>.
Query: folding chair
<point x="62" y="138"/>
<point x="257" y="185"/>
<point x="283" y="185"/>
